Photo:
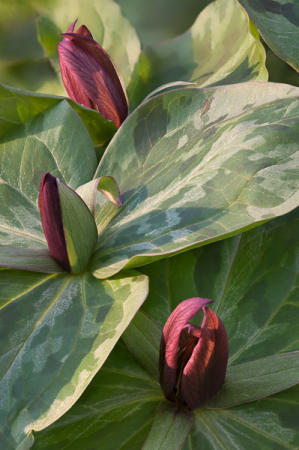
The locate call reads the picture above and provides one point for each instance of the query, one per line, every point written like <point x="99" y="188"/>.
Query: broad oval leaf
<point x="197" y="165"/>
<point x="56" y="332"/>
<point x="278" y="23"/>
<point x="221" y="47"/>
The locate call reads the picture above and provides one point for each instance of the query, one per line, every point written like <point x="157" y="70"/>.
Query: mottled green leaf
<point x="221" y="47"/>
<point x="56" y="332"/>
<point x="17" y="107"/>
<point x="121" y="397"/>
<point x="54" y="141"/>
<point x="106" y="23"/>
<point x="170" y="428"/>
<point x="197" y="165"/>
<point x="278" y="23"/>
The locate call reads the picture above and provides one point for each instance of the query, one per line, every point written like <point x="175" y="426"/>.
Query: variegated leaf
<point x="197" y="165"/>
<point x="56" y="332"/>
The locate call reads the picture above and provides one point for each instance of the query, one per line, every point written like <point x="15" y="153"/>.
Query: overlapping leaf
<point x="16" y="107"/>
<point x="56" y="332"/>
<point x="196" y="165"/>
<point x="54" y="141"/>
<point x="221" y="47"/>
<point x="278" y="23"/>
<point x="230" y="272"/>
<point x="252" y="279"/>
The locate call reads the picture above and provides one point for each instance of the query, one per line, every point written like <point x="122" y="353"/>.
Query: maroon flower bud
<point x="68" y="225"/>
<point x="193" y="360"/>
<point x="51" y="217"/>
<point x="89" y="76"/>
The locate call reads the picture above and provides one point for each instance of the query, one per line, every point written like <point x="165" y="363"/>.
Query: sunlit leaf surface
<point x="197" y="165"/>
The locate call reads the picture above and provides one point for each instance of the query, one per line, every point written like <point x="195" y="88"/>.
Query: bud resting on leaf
<point x="68" y="225"/>
<point x="89" y="76"/>
<point x="193" y="360"/>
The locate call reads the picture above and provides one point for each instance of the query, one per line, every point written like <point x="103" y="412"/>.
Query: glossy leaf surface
<point x="221" y="47"/>
<point x="278" y="23"/>
<point x="199" y="166"/>
<point x="56" y="332"/>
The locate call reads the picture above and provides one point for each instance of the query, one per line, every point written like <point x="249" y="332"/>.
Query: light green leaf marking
<point x="199" y="166"/>
<point x="56" y="332"/>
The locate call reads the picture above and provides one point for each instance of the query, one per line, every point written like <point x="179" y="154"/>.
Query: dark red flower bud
<point x="89" y="76"/>
<point x="193" y="360"/>
<point x="51" y="217"/>
<point x="68" y="224"/>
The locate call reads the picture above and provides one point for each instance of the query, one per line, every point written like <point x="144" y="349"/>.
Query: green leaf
<point x="106" y="185"/>
<point x="197" y="165"/>
<point x="142" y="338"/>
<point x="79" y="228"/>
<point x="35" y="260"/>
<point x="17" y="107"/>
<point x="219" y="48"/>
<point x="56" y="332"/>
<point x="278" y="23"/>
<point x="257" y="379"/>
<point x="156" y="21"/>
<point x="121" y="397"/>
<point x="54" y="141"/>
<point x="107" y="25"/>
<point x="252" y="278"/>
<point x="170" y="428"/>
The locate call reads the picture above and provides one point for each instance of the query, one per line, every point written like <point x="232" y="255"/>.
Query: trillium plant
<point x="148" y="225"/>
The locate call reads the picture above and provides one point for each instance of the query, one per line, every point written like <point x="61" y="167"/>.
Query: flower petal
<point x="170" y="340"/>
<point x="90" y="77"/>
<point x="204" y="373"/>
<point x="51" y="218"/>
